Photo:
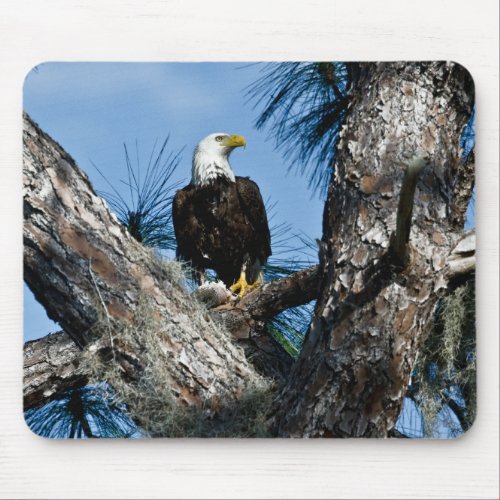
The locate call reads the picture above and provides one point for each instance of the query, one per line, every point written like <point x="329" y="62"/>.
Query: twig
<point x="108" y="319"/>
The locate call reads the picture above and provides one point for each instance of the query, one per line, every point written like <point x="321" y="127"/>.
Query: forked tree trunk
<point x="372" y="314"/>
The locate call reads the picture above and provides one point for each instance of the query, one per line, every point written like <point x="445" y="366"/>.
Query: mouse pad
<point x="280" y="249"/>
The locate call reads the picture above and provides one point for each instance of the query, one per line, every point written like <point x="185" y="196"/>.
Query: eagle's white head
<point x="211" y="157"/>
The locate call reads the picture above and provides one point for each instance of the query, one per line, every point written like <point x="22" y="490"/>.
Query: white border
<point x="32" y="31"/>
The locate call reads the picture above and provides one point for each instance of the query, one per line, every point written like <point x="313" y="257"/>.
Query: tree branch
<point x="266" y="302"/>
<point x="51" y="366"/>
<point x="246" y="319"/>
<point x="401" y="237"/>
<point x="461" y="262"/>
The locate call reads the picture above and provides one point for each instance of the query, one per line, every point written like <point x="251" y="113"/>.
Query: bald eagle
<point x="219" y="219"/>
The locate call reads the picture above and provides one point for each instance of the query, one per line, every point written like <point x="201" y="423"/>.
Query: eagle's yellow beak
<point x="234" y="141"/>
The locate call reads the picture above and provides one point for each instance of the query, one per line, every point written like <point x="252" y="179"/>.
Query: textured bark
<point x="51" y="365"/>
<point x="90" y="276"/>
<point x="356" y="362"/>
<point x="254" y="309"/>
<point x="246" y="320"/>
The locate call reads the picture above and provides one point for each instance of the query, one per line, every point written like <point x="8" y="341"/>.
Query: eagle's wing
<point x="255" y="212"/>
<point x="184" y="222"/>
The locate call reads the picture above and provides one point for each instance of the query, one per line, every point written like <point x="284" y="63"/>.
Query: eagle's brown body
<point x="222" y="226"/>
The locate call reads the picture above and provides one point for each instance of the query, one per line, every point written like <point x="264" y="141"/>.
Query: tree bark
<point x="373" y="310"/>
<point x="51" y="366"/>
<point x="254" y="309"/>
<point x="52" y="363"/>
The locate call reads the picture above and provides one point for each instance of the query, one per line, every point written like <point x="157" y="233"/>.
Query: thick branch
<point x="401" y="237"/>
<point x="51" y="365"/>
<point x="246" y="320"/>
<point x="266" y="302"/>
<point x="461" y="263"/>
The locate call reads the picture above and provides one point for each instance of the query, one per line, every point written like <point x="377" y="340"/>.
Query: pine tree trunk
<point x="374" y="307"/>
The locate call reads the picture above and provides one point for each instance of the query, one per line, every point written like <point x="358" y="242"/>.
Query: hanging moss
<point x="153" y="405"/>
<point x="444" y="384"/>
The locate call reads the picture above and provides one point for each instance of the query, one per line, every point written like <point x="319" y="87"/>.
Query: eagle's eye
<point x="219" y="138"/>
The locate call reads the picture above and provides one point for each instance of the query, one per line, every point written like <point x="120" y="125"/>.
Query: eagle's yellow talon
<point x="240" y="285"/>
<point x="256" y="284"/>
<point x="243" y="286"/>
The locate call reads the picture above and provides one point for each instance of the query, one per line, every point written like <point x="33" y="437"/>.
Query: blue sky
<point x="91" y="109"/>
